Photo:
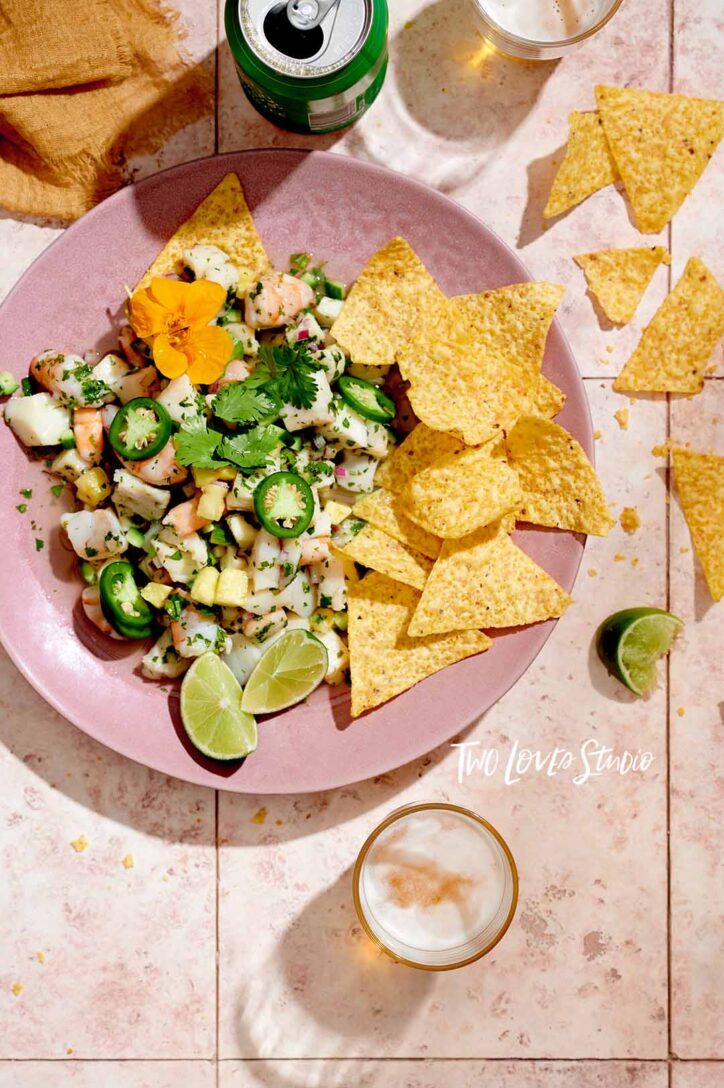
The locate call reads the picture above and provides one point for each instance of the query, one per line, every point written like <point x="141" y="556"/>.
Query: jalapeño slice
<point x="140" y="429"/>
<point x="367" y="399"/>
<point x="121" y="603"/>
<point x="284" y="504"/>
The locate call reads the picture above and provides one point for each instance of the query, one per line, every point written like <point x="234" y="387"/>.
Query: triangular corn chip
<point x="587" y="165"/>
<point x="421" y="447"/>
<point x="546" y="399"/>
<point x="484" y="581"/>
<point x="223" y="219"/>
<point x="619" y="277"/>
<point x="510" y="322"/>
<point x="675" y="347"/>
<point x="560" y="486"/>
<point x="384" y="659"/>
<point x="463" y="491"/>
<point x="390" y="298"/>
<point x="699" y="479"/>
<point x="378" y="551"/>
<point x="661" y="144"/>
<point x="384" y="510"/>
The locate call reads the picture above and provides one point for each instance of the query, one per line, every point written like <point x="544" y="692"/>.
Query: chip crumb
<point x="79" y="844"/>
<point x="259" y="817"/>
<point x="621" y="416"/>
<point x="592" y="572"/>
<point x="279" y="823"/>
<point x="40" y="957"/>
<point x="635" y="562"/>
<point x="609" y="348"/>
<point x="17" y="988"/>
<point x="69" y="1050"/>
<point x="684" y="550"/>
<point x="661" y="450"/>
<point x="619" y="558"/>
<point x="597" y="435"/>
<point x="128" y="862"/>
<point x="680" y="711"/>
<point x="605" y="361"/>
<point x="629" y="519"/>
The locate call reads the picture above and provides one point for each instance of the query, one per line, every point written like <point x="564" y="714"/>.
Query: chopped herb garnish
<point x="39" y="544"/>
<point x="57" y="490"/>
<point x="237" y="402"/>
<point x="22" y="507"/>
<point x="196" y="445"/>
<point x="27" y="492"/>
<point x="250" y="450"/>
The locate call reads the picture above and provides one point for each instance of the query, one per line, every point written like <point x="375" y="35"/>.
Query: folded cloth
<point x="84" y="85"/>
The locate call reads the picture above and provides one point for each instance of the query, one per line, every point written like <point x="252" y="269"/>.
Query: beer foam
<point x="433" y="880"/>
<point x="545" y="20"/>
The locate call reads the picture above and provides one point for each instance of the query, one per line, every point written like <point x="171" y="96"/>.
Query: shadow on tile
<point x="347" y="988"/>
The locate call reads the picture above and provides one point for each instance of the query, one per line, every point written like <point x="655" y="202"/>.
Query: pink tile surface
<point x="697" y="807"/>
<point x="121" y="1074"/>
<point x="434" y="1074"/>
<point x="111" y="961"/>
<point x="127" y="965"/>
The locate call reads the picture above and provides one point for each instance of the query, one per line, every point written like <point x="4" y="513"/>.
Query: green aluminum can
<point x="309" y="65"/>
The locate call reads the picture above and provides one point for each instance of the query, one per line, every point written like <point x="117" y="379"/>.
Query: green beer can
<point x="309" y="65"/>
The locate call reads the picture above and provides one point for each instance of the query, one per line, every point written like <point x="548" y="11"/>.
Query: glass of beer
<point x="541" y="29"/>
<point x="435" y="886"/>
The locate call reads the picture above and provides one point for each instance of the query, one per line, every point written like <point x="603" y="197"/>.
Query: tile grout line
<point x="667" y="537"/>
<point x="673" y="1061"/>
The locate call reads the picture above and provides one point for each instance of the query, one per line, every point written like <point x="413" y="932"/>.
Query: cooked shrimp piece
<point x="88" y="431"/>
<point x="108" y="414"/>
<point x="94" y="534"/>
<point x="130" y="346"/>
<point x="314" y="550"/>
<point x="162" y="662"/>
<point x="162" y="469"/>
<point x="236" y="371"/>
<point x="263" y="627"/>
<point x="194" y="633"/>
<point x="90" y="600"/>
<point x="276" y="300"/>
<point x="69" y="378"/>
<point x="184" y="518"/>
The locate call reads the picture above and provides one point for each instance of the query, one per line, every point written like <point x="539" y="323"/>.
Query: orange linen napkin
<point x="83" y="85"/>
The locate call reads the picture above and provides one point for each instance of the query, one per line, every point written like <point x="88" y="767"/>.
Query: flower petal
<point x="203" y="301"/>
<point x="147" y="316"/>
<point x="170" y="293"/>
<point x="209" y="349"/>
<point x="168" y="360"/>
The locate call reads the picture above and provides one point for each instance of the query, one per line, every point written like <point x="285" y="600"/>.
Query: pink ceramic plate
<point x="341" y="210"/>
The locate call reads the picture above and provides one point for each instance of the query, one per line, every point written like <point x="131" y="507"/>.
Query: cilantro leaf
<point x="196" y="445"/>
<point x="237" y="402"/>
<point x="250" y="450"/>
<point x="292" y="369"/>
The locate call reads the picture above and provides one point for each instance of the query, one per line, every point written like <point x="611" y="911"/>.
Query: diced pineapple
<point x="337" y="511"/>
<point x="232" y="588"/>
<point x="212" y="503"/>
<point x="243" y="533"/>
<point x="205" y="476"/>
<point x="155" y="593"/>
<point x="93" y="486"/>
<point x="204" y="588"/>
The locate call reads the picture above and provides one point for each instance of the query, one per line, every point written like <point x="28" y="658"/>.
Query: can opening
<point x="282" y="36"/>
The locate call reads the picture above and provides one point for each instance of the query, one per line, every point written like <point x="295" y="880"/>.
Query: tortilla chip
<point x="457" y="388"/>
<point x="511" y="322"/>
<point x="384" y="510"/>
<point x="378" y="551"/>
<point x="699" y="479"/>
<point x="560" y="486"/>
<point x="587" y="165"/>
<point x="546" y="399"/>
<point x="421" y="447"/>
<point x="223" y="219"/>
<point x="392" y="294"/>
<point x="661" y="144"/>
<point x="619" y="277"/>
<point x="676" y="345"/>
<point x="384" y="659"/>
<point x="463" y="491"/>
<point x="485" y="580"/>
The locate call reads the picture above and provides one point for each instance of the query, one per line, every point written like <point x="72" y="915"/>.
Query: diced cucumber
<point x="67" y="440"/>
<point x="27" y="387"/>
<point x="135" y="537"/>
<point x="328" y="309"/>
<point x="8" y="384"/>
<point x="335" y="289"/>
<point x="88" y="573"/>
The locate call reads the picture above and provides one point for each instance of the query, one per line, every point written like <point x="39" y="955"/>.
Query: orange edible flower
<point x="175" y="317"/>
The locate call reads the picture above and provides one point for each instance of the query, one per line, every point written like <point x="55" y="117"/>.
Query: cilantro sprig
<point x="198" y="446"/>
<point x="239" y="402"/>
<point x="291" y="369"/>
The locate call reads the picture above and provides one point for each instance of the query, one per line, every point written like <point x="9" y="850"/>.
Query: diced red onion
<point x="340" y="472"/>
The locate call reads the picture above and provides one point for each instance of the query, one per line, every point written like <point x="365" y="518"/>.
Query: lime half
<point x="631" y="642"/>
<point x="211" y="710"/>
<point x="288" y="672"/>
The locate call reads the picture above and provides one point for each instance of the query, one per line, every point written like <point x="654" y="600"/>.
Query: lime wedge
<point x="211" y="710"/>
<point x="631" y="642"/>
<point x="288" y="672"/>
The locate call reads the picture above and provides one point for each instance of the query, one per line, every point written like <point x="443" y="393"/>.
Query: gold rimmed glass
<point x="459" y="954"/>
<point x="528" y="48"/>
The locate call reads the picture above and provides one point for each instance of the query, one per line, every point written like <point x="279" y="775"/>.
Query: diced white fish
<point x="138" y="383"/>
<point x="337" y="656"/>
<point x="308" y="329"/>
<point x="180" y="400"/>
<point x="319" y="412"/>
<point x="37" y="420"/>
<point x="331" y="587"/>
<point x="243" y="656"/>
<point x="244" y="335"/>
<point x="261" y="627"/>
<point x="69" y="378"/>
<point x="195" y="633"/>
<point x="208" y="262"/>
<point x="133" y="495"/>
<point x="300" y="595"/>
<point x="94" y="534"/>
<point x="265" y="554"/>
<point x="163" y="661"/>
<point x="357" y="472"/>
<point x="111" y="370"/>
<point x="333" y="361"/>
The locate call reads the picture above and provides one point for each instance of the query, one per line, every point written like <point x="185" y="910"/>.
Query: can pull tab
<point x="306" y="14"/>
